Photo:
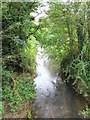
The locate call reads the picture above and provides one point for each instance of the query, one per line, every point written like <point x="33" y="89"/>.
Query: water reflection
<point x="45" y="77"/>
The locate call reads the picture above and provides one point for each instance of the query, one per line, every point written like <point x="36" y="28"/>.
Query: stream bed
<point x="54" y="98"/>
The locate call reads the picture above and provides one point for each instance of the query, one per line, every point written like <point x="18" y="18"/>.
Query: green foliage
<point x="19" y="52"/>
<point x="17" y="89"/>
<point x="86" y="111"/>
<point x="28" y="54"/>
<point x="18" y="28"/>
<point x="1" y="109"/>
<point x="77" y="71"/>
<point x="29" y="115"/>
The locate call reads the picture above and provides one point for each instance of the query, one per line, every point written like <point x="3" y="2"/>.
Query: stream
<point x="54" y="98"/>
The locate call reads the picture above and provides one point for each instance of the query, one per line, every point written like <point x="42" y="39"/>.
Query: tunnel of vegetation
<point x="64" y="33"/>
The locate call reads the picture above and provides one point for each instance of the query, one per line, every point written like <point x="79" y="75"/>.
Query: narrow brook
<point x="54" y="99"/>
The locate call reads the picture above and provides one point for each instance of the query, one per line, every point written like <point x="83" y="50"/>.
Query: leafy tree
<point x="17" y="27"/>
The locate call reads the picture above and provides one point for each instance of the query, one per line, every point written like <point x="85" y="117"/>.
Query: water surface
<point x="54" y="98"/>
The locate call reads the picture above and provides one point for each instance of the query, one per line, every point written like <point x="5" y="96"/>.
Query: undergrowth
<point x="77" y="73"/>
<point x="17" y="89"/>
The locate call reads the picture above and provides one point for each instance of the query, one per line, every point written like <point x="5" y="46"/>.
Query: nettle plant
<point x="77" y="71"/>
